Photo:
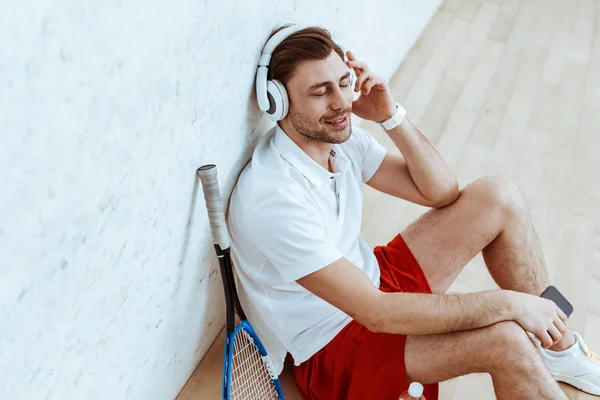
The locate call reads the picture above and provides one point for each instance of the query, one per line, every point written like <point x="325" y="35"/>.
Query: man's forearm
<point x="427" y="168"/>
<point x="422" y="314"/>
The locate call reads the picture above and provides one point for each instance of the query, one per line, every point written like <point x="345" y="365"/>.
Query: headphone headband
<point x="276" y="39"/>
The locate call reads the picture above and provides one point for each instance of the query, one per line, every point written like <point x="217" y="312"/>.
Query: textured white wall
<point x="108" y="283"/>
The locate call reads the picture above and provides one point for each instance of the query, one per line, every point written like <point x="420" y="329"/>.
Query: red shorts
<point x="361" y="365"/>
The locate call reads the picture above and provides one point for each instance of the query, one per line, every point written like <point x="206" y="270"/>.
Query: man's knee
<point x="510" y="342"/>
<point x="508" y="333"/>
<point x="499" y="192"/>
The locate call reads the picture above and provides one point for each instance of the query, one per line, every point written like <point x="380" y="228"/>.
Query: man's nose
<point x="340" y="99"/>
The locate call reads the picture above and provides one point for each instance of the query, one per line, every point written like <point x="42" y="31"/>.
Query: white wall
<point x="108" y="282"/>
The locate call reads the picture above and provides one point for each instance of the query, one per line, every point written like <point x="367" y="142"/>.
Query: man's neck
<point x="315" y="149"/>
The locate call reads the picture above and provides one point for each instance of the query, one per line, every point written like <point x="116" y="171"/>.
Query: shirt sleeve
<point x="371" y="152"/>
<point x="286" y="228"/>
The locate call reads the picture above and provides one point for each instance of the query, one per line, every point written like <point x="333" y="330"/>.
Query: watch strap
<point x="395" y="119"/>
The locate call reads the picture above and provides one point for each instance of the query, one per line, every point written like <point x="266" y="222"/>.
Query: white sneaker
<point x="578" y="365"/>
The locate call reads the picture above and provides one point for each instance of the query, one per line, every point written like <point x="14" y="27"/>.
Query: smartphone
<point x="552" y="293"/>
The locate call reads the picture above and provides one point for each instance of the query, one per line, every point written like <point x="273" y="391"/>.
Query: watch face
<point x="389" y="124"/>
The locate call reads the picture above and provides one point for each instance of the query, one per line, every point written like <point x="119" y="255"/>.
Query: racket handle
<point x="210" y="186"/>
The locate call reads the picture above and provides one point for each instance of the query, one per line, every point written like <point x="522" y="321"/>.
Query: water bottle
<point x="414" y="392"/>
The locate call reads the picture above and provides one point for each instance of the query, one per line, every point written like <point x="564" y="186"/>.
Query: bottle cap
<point x="415" y="390"/>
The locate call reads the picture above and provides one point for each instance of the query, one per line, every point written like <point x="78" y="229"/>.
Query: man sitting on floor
<point x="363" y="324"/>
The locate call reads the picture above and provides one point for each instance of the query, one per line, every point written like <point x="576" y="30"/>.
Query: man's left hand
<point x="376" y="102"/>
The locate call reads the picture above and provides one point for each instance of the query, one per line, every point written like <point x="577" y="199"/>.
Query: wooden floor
<point x="503" y="87"/>
<point x="512" y="87"/>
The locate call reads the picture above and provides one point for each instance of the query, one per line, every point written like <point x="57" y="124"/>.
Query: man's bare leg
<point x="491" y="216"/>
<point x="436" y="358"/>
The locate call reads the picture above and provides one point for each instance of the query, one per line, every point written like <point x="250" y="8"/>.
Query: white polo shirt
<point x="289" y="217"/>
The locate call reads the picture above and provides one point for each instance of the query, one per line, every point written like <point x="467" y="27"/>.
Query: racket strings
<point x="253" y="381"/>
<point x="250" y="378"/>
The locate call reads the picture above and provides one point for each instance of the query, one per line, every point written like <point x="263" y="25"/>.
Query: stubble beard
<point x="319" y="131"/>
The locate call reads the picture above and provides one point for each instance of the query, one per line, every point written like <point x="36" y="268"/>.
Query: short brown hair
<point x="313" y="43"/>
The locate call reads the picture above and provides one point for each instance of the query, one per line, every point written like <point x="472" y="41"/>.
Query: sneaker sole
<point x="578" y="383"/>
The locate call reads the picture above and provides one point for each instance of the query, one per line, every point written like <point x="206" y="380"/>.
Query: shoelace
<point x="593" y="356"/>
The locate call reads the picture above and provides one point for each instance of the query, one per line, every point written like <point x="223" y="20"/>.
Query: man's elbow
<point x="446" y="197"/>
<point x="371" y="315"/>
<point x="372" y="323"/>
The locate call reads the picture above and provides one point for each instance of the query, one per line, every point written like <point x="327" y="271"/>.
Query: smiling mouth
<point x="339" y="123"/>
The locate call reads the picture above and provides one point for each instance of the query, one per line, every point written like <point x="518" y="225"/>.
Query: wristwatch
<point x="396" y="119"/>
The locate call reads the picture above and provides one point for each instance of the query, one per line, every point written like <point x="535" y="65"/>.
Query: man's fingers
<point x="562" y="315"/>
<point x="561" y="326"/>
<point x="361" y="66"/>
<point x="366" y="85"/>
<point x="371" y="82"/>
<point x="360" y="81"/>
<point x="545" y="339"/>
<point x="369" y="85"/>
<point x="554" y="333"/>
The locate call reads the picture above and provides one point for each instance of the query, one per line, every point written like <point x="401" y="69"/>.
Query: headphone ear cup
<point x="352" y="74"/>
<point x="278" y="100"/>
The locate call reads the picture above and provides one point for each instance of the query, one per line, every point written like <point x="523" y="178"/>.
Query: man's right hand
<point x="540" y="316"/>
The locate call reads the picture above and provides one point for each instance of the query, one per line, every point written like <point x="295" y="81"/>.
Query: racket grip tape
<point x="212" y="196"/>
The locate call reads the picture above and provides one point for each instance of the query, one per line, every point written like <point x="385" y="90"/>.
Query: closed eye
<point x="325" y="92"/>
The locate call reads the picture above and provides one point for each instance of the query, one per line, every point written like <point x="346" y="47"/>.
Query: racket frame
<point x="232" y="301"/>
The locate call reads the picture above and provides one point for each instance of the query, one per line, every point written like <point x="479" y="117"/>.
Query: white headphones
<point x="271" y="94"/>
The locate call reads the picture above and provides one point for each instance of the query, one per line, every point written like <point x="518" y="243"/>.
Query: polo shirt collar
<point x="308" y="167"/>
